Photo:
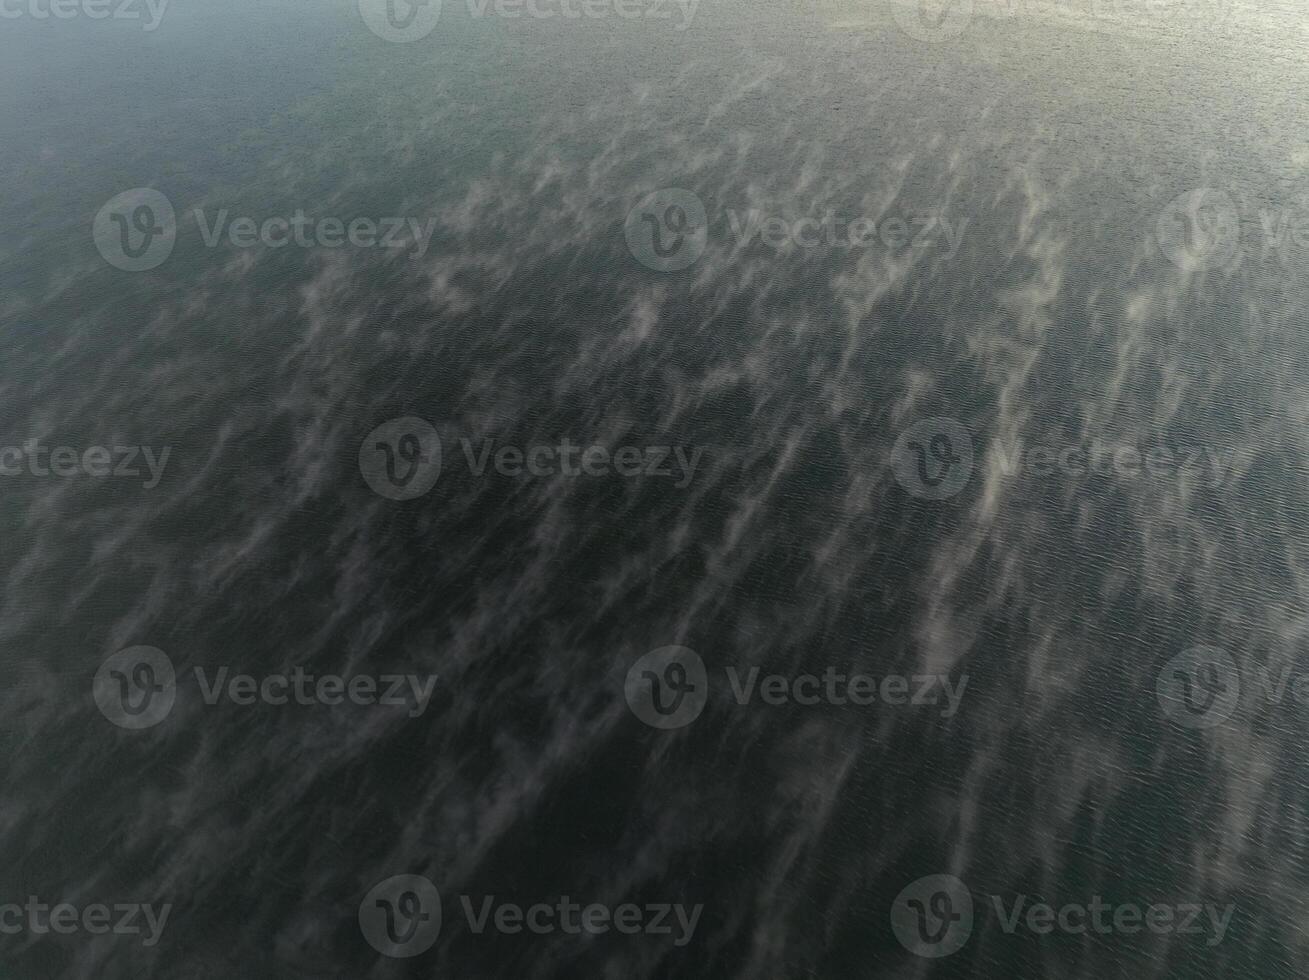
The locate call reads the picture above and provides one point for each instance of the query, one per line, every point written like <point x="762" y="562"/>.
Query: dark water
<point x="1124" y="638"/>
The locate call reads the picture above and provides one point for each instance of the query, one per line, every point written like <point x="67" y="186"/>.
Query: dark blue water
<point x="1089" y="238"/>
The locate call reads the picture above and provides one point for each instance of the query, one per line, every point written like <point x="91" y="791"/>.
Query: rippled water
<point x="1119" y="619"/>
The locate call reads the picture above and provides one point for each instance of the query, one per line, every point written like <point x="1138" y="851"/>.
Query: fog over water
<point x="950" y="367"/>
